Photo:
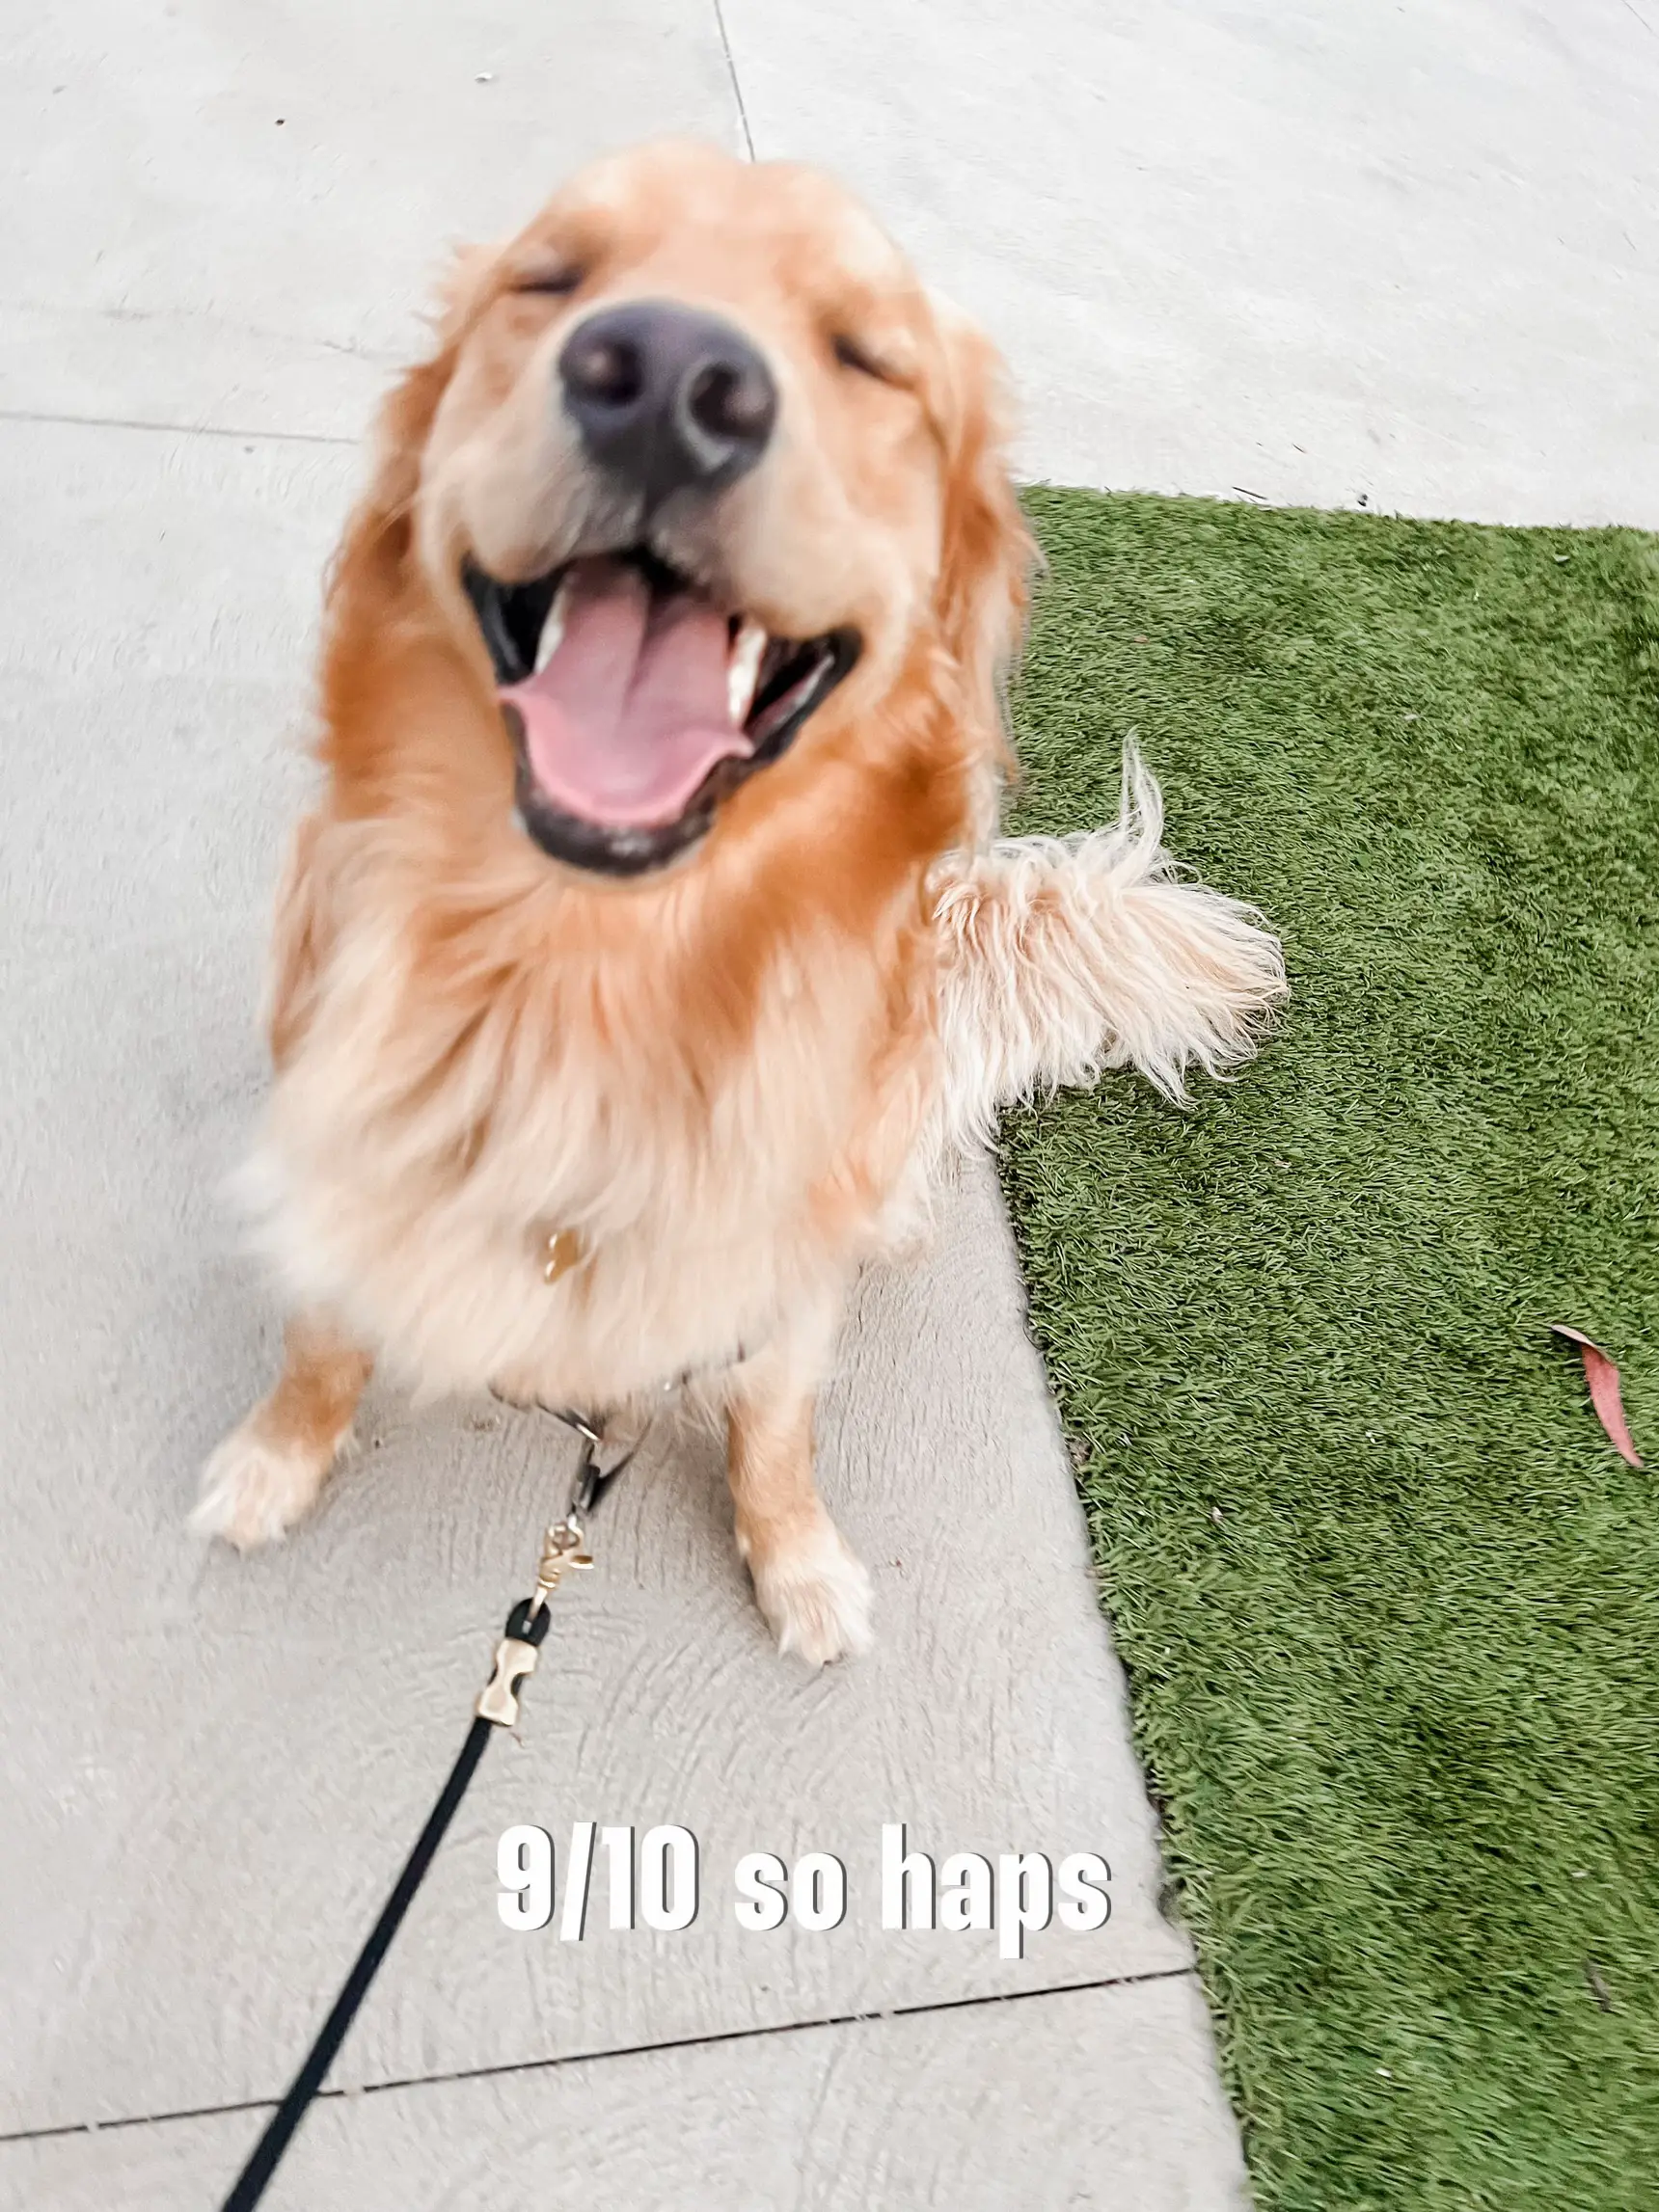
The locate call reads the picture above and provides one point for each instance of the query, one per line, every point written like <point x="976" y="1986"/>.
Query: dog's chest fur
<point x="463" y="1084"/>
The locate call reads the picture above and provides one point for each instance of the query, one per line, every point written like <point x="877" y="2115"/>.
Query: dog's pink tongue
<point x="631" y="711"/>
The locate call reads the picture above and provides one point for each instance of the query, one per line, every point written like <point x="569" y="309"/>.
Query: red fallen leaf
<point x="1602" y="1376"/>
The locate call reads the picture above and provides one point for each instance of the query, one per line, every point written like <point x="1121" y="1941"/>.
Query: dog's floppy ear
<point x="464" y="285"/>
<point x="987" y="552"/>
<point x="463" y="289"/>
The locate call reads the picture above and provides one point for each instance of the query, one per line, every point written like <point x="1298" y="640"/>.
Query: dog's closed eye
<point x="850" y="353"/>
<point x="558" y="279"/>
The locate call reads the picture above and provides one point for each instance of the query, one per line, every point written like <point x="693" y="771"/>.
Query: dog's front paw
<point x="815" y="1595"/>
<point x="256" y="1486"/>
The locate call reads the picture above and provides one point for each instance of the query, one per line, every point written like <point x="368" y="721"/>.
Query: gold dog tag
<point x="563" y="1249"/>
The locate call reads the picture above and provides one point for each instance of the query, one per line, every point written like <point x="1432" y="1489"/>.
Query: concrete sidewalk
<point x="1271" y="250"/>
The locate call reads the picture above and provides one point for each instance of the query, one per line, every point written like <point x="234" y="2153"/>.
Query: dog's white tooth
<point x="743" y="670"/>
<point x="553" y="628"/>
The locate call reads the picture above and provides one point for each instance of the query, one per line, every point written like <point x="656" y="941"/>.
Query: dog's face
<point x="708" y="472"/>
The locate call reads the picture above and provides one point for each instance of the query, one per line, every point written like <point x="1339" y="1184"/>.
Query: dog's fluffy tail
<point x="1065" y="956"/>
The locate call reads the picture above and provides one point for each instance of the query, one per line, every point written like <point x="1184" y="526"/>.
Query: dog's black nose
<point x="667" y="399"/>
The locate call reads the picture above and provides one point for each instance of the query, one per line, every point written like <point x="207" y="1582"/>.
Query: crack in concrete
<point x="585" y="2057"/>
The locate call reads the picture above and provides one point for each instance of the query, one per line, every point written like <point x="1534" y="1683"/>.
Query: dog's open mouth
<point x="637" y="704"/>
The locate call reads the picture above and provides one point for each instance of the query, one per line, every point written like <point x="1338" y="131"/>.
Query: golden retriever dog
<point x="649" y="948"/>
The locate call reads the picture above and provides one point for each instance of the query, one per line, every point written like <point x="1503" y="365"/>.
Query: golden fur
<point x="735" y="1079"/>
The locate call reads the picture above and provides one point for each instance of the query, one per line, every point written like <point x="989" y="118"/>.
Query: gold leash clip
<point x="561" y="1548"/>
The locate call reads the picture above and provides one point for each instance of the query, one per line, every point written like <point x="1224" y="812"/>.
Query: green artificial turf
<point x="1388" y="1599"/>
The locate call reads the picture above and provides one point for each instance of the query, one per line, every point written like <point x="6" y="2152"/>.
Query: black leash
<point x="563" y="1547"/>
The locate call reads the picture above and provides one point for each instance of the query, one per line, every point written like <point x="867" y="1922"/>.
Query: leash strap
<point x="527" y="1625"/>
<point x="251" y="2184"/>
